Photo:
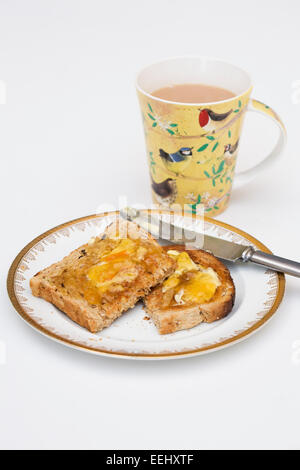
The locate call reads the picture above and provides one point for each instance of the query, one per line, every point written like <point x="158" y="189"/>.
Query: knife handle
<point x="273" y="262"/>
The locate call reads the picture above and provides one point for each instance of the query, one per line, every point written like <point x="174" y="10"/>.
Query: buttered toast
<point x="99" y="281"/>
<point x="200" y="290"/>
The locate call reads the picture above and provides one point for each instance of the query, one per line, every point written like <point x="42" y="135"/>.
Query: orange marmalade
<point x="191" y="283"/>
<point x="106" y="267"/>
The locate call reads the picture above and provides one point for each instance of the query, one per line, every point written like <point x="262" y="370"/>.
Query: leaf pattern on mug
<point x="237" y="110"/>
<point x="220" y="173"/>
<point x="170" y="127"/>
<point x="209" y="201"/>
<point x="152" y="163"/>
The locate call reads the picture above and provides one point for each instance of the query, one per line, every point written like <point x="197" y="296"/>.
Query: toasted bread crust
<point x="181" y="317"/>
<point x="95" y="317"/>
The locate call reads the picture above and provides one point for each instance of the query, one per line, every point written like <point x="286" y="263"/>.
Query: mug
<point x="192" y="148"/>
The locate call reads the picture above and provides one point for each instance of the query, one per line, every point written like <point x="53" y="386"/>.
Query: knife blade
<point x="180" y="235"/>
<point x="197" y="239"/>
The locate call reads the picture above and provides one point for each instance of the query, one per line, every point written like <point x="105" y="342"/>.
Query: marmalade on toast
<point x="190" y="284"/>
<point x="107" y="267"/>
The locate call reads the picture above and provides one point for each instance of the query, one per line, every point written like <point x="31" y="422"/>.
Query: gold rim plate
<point x="210" y="348"/>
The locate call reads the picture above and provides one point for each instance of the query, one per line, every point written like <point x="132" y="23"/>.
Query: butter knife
<point x="220" y="248"/>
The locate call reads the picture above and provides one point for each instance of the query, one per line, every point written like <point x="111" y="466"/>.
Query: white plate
<point x="258" y="295"/>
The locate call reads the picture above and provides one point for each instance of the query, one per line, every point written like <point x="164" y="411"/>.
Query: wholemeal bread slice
<point x="168" y="316"/>
<point x="74" y="286"/>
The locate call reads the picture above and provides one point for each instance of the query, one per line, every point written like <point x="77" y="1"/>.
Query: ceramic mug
<point x="205" y="137"/>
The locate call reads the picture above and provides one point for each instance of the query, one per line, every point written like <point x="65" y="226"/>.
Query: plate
<point x="133" y="336"/>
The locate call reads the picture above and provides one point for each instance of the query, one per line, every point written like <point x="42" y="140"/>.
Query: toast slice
<point x="184" y="300"/>
<point x="100" y="280"/>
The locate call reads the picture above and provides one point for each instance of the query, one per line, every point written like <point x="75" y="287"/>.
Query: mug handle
<point x="244" y="177"/>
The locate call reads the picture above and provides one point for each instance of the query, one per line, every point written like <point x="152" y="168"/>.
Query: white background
<point x="70" y="140"/>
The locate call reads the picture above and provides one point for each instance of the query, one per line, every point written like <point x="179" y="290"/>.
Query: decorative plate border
<point x="271" y="305"/>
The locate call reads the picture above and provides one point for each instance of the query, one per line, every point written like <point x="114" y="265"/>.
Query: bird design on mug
<point x="230" y="153"/>
<point x="177" y="161"/>
<point x="209" y="121"/>
<point x="165" y="192"/>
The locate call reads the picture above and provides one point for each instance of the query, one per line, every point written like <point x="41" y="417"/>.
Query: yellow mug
<point x="192" y="148"/>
